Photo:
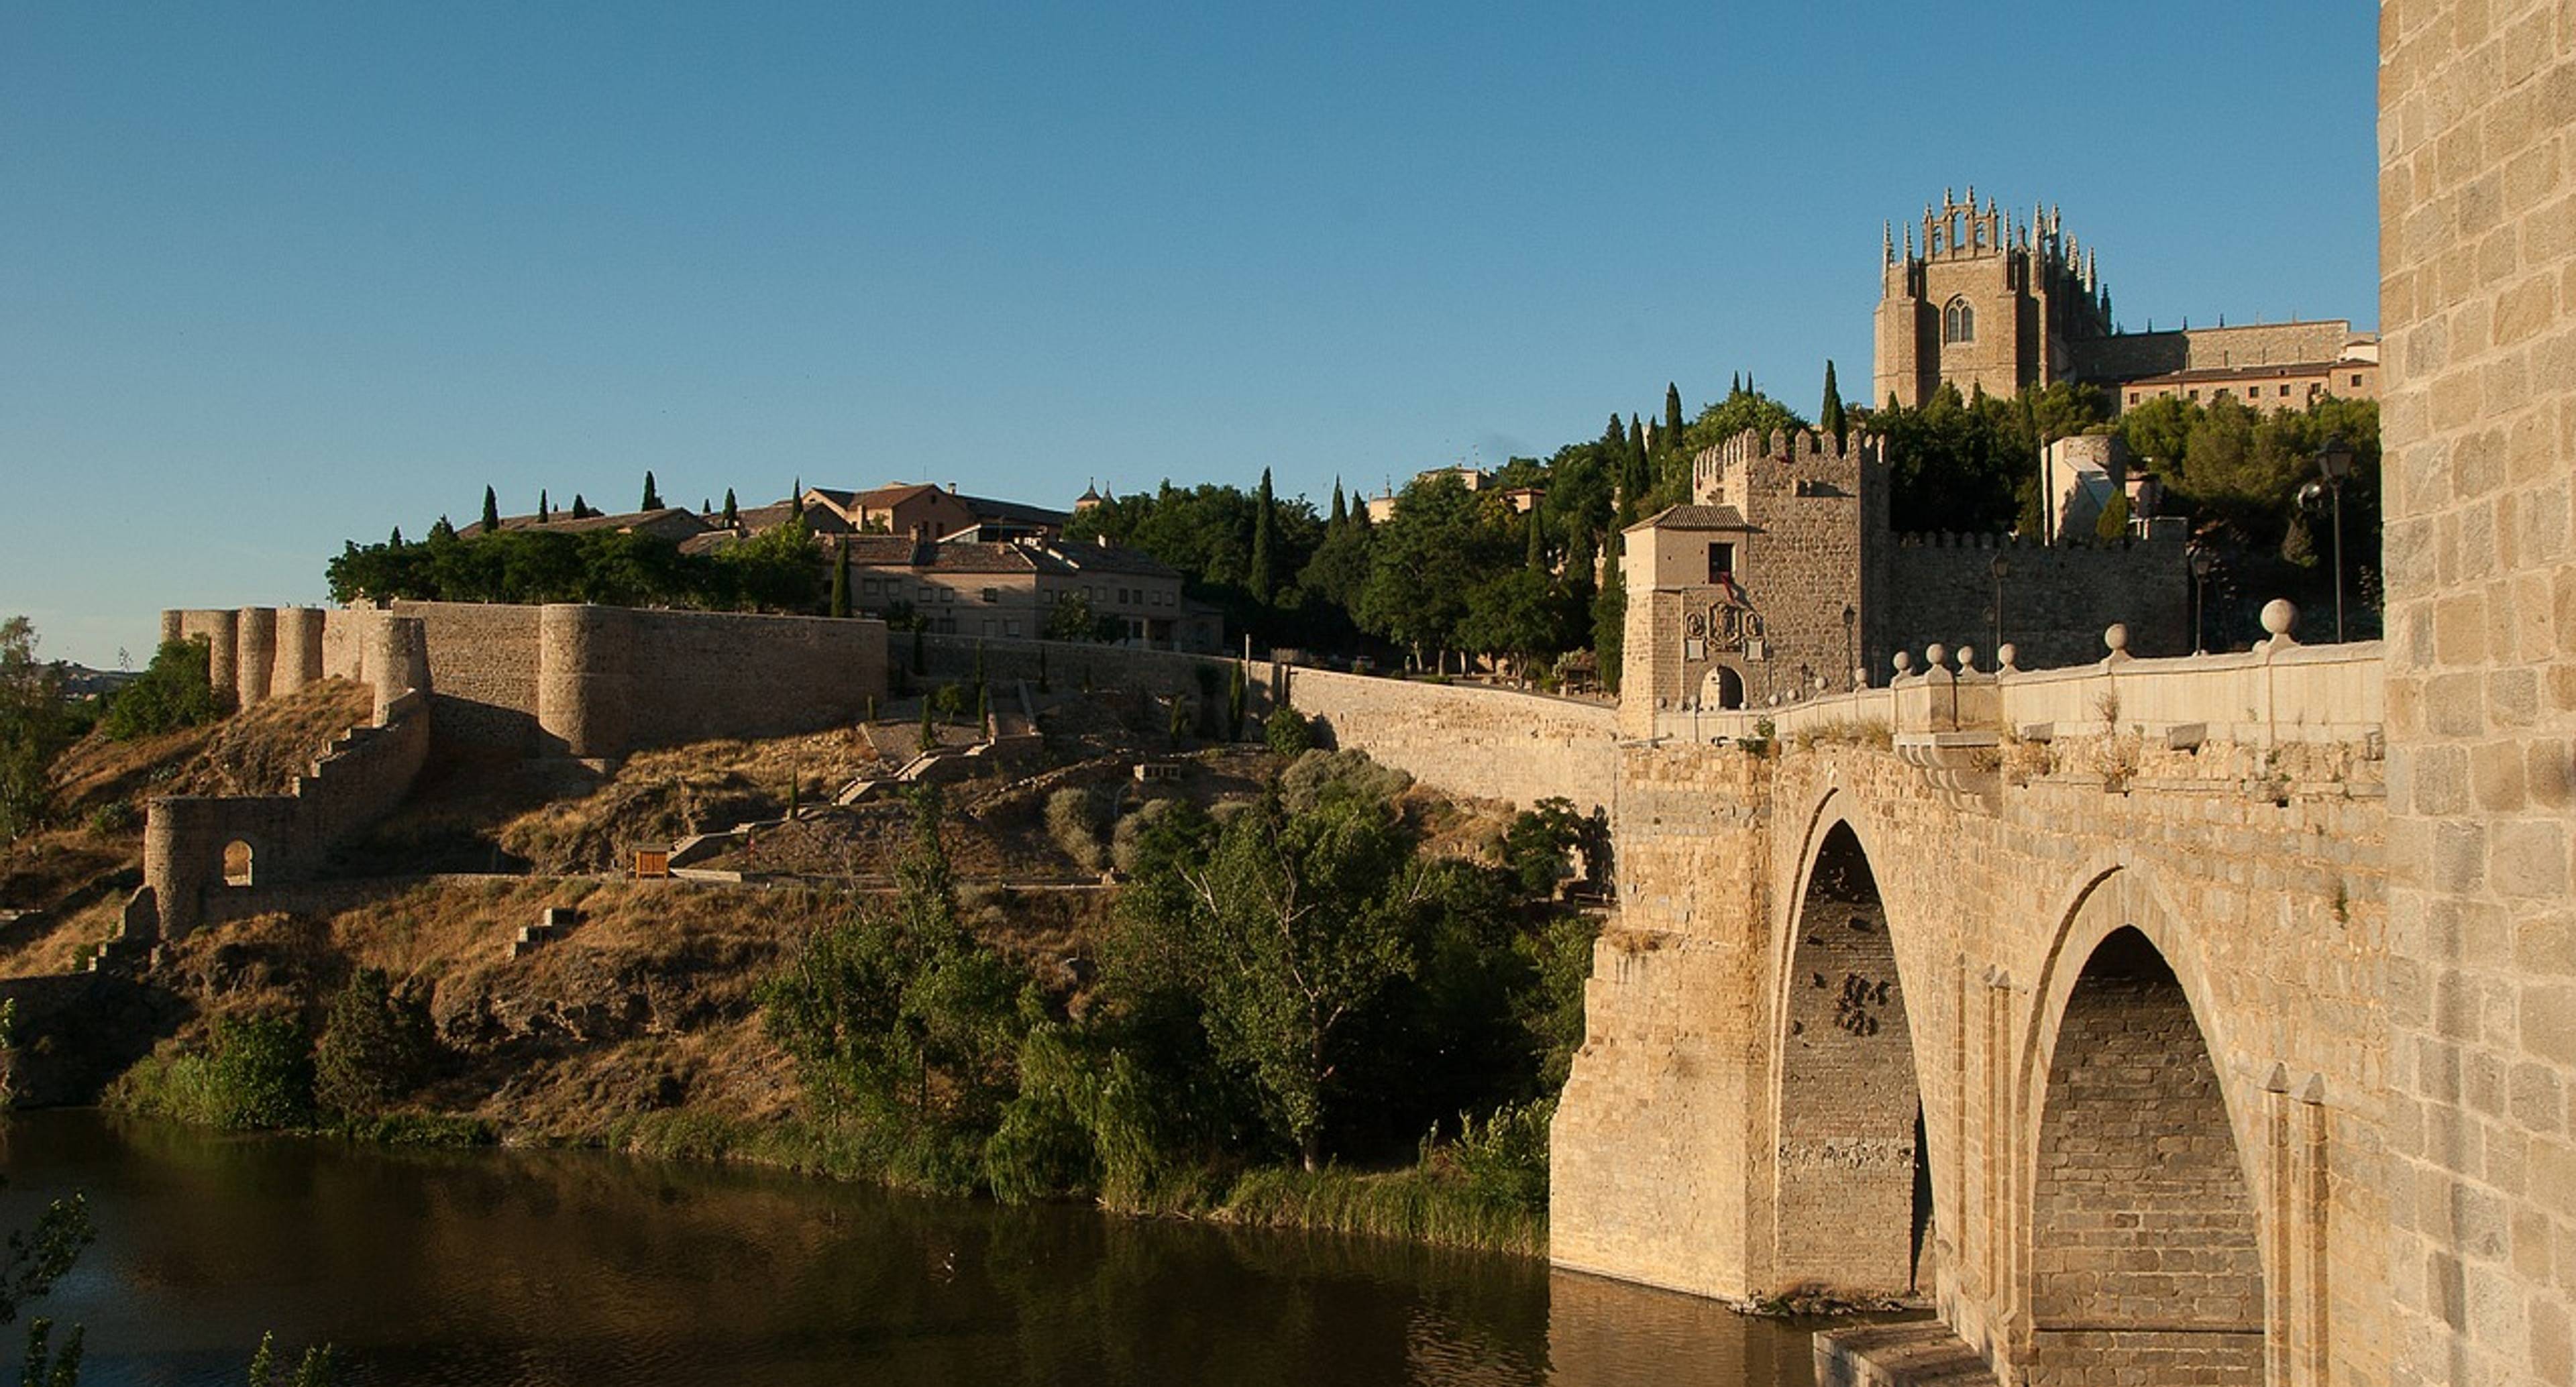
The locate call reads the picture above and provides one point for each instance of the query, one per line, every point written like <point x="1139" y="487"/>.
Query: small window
<point x="2356" y="380"/>
<point x="1721" y="564"/>
<point x="929" y="593"/>
<point x="988" y="626"/>
<point x="1011" y="629"/>
<point x="2195" y="392"/>
<point x="992" y="594"/>
<point x="2133" y="397"/>
<point x="947" y="595"/>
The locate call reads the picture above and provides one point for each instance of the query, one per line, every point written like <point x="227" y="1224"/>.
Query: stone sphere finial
<point x="1936" y="655"/>
<point x="1860" y="677"/>
<point x="1967" y="659"/>
<point x="2004" y="656"/>
<point x="2280" y="616"/>
<point x="1904" y="663"/>
<point x="2116" y="636"/>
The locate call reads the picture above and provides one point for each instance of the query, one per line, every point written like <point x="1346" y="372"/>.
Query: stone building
<point x="1007" y="589"/>
<point x="1974" y="299"/>
<point x="1781" y="578"/>
<point x="919" y="510"/>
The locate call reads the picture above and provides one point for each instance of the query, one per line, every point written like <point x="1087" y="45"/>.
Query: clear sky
<point x="273" y="276"/>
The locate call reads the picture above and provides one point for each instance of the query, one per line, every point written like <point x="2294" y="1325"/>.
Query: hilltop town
<point x="1967" y="850"/>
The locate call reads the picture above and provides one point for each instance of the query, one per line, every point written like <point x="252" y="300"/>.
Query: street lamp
<point x="2001" y="570"/>
<point x="1850" y="659"/>
<point x="2199" y="558"/>
<point x="2334" y="462"/>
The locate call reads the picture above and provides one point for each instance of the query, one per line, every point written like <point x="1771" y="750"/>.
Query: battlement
<point x="1800" y="450"/>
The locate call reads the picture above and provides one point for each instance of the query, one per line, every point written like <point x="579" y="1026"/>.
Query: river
<point x="579" y="1267"/>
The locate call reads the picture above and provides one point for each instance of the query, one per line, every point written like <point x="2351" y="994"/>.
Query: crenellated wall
<point x="362" y="777"/>
<point x="2056" y="597"/>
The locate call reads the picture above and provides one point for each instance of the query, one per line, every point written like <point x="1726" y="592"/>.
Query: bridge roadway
<point x="2053" y="1000"/>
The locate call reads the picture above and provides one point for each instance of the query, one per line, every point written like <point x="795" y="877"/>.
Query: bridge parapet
<point x="2279" y="692"/>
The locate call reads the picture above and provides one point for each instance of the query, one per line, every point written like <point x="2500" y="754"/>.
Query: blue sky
<point x="274" y="276"/>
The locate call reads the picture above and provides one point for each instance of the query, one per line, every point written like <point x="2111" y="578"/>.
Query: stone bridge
<point x="2050" y="999"/>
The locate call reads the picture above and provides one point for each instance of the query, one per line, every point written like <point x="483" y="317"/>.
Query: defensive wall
<point x="2056" y="597"/>
<point x="1467" y="739"/>
<point x="1462" y="739"/>
<point x="363" y="775"/>
<point x="567" y="679"/>
<point x="2052" y="999"/>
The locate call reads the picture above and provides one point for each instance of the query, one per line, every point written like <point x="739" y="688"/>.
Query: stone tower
<point x="1981" y="302"/>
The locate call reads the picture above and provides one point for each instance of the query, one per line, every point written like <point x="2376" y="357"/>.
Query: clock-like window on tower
<point x="1958" y="322"/>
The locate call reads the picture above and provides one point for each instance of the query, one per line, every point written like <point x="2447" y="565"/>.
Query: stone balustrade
<point x="2281" y="691"/>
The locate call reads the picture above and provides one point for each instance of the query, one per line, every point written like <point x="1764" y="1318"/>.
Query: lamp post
<point x="1850" y="660"/>
<point x="2199" y="559"/>
<point x="2334" y="463"/>
<point x="2001" y="570"/>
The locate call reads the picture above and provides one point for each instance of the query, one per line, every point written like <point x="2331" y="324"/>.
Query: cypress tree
<point x="1234" y="696"/>
<point x="1265" y="527"/>
<point x="491" y="512"/>
<point x="841" y="579"/>
<point x="983" y="710"/>
<point x="580" y="508"/>
<point x="1341" y="512"/>
<point x="1672" y="412"/>
<point x="1831" y="416"/>
<point x="732" y="516"/>
<point x="652" y="498"/>
<point x="1537" y="555"/>
<point x="396" y="541"/>
<point x="1643" y="477"/>
<point x="544" y="511"/>
<point x="1735" y="385"/>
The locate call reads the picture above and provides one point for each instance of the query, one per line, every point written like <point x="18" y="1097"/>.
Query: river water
<point x="579" y="1267"/>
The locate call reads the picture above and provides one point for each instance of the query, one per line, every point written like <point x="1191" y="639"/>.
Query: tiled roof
<point x="1693" y="518"/>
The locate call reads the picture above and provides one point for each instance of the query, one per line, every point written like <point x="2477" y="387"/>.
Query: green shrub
<point x="1288" y="733"/>
<point x="1073" y="820"/>
<point x="176" y="690"/>
<point x="1321" y="775"/>
<point x="256" y="1073"/>
<point x="375" y="1047"/>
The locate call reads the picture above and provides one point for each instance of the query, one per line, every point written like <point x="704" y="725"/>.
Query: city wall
<point x="360" y="778"/>
<point x="1467" y="739"/>
<point x="2056" y="598"/>
<point x="565" y="679"/>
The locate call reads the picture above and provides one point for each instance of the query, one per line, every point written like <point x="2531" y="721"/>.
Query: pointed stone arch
<point x="1851" y="1194"/>
<point x="2141" y="1248"/>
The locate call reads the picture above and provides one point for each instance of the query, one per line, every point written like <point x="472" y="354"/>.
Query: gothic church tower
<point x="1980" y="302"/>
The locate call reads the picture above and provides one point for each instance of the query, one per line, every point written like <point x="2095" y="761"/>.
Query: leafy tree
<point x="1288" y="925"/>
<point x="491" y="511"/>
<point x="1520" y="614"/>
<point x="176" y="690"/>
<point x="1426" y="560"/>
<point x="1072" y="618"/>
<point x="652" y="497"/>
<point x="901" y="1020"/>
<point x="375" y="1046"/>
<point x="33" y="729"/>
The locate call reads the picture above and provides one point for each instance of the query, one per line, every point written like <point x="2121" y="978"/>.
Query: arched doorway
<point x="1853" y="1202"/>
<point x="2144" y="1257"/>
<point x="238" y="862"/>
<point x="1721" y="687"/>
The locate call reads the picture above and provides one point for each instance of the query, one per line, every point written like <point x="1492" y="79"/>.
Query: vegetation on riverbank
<point x="1140" y="1056"/>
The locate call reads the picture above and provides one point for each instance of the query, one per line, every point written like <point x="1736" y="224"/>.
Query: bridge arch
<point x="2142" y="1240"/>
<point x="1851" y="1189"/>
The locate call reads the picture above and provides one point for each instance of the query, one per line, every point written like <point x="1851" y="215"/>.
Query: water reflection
<point x="579" y="1268"/>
